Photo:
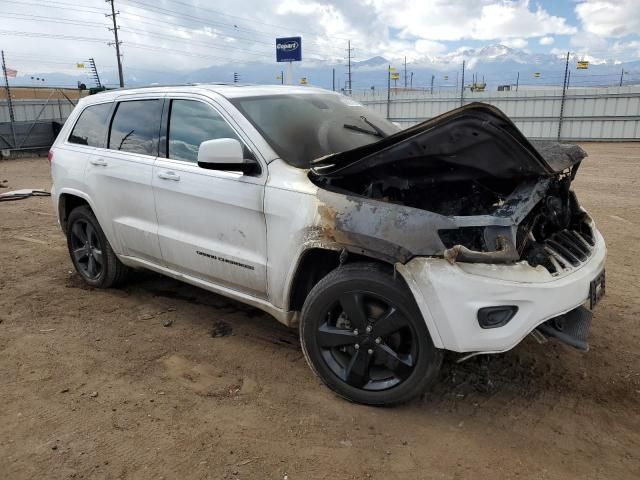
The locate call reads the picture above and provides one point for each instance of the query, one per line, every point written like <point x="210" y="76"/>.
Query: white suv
<point x="386" y="246"/>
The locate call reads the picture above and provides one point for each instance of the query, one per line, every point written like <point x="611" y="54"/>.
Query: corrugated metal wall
<point x="610" y="114"/>
<point x="28" y="110"/>
<point x="36" y="123"/>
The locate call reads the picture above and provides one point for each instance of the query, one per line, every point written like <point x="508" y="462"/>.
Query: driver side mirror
<point x="225" y="154"/>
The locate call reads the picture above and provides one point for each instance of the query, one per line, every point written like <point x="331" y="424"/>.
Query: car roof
<point x="227" y="90"/>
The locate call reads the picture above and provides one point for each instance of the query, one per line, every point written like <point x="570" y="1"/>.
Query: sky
<point x="160" y="35"/>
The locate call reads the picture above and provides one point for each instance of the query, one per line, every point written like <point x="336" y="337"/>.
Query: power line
<point x="246" y="19"/>
<point x="215" y="23"/>
<point x="127" y="29"/>
<point x="175" y="38"/>
<point x="58" y="4"/>
<point x="106" y="40"/>
<point x="55" y="36"/>
<point x="40" y="18"/>
<point x="162" y="23"/>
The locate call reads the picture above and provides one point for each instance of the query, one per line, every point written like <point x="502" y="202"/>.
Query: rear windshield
<point x="304" y="127"/>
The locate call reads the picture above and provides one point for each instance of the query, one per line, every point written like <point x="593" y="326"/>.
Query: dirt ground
<point x="93" y="385"/>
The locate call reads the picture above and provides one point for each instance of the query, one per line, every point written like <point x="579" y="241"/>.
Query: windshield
<point x="304" y="127"/>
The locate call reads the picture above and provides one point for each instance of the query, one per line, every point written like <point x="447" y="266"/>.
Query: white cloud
<point x="461" y="19"/>
<point x="589" y="42"/>
<point x="610" y="18"/>
<point x="626" y="49"/>
<point x="546" y="41"/>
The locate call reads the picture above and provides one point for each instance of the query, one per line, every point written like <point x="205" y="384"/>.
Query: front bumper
<point x="450" y="295"/>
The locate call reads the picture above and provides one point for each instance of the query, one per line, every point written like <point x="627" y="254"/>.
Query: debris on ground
<point x="23" y="193"/>
<point x="167" y="322"/>
<point x="221" y="329"/>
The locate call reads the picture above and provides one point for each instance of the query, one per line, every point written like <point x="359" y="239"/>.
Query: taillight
<point x="50" y="156"/>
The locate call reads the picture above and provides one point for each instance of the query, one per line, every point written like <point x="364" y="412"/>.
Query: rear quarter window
<point x="91" y="127"/>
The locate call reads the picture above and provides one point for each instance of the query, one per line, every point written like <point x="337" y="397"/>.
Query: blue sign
<point x="289" y="49"/>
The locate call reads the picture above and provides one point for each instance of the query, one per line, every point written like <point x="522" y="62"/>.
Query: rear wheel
<point x="363" y="335"/>
<point x="90" y="252"/>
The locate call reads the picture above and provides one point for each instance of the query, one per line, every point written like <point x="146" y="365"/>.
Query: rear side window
<point x="135" y="127"/>
<point x="191" y="123"/>
<point x="91" y="127"/>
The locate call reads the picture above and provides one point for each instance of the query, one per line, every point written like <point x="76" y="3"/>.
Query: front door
<point x="210" y="223"/>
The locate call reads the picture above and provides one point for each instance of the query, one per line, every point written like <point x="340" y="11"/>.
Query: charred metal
<point x="466" y="186"/>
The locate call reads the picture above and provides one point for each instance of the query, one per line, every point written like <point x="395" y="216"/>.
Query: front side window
<point x="135" y="127"/>
<point x="191" y="123"/>
<point x="91" y="127"/>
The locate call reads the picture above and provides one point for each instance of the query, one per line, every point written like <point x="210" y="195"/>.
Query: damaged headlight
<point x="470" y="237"/>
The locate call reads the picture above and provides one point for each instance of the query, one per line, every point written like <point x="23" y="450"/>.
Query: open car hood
<point x="476" y="140"/>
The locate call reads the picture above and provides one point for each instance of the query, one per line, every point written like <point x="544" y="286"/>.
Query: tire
<point x="392" y="361"/>
<point x="90" y="252"/>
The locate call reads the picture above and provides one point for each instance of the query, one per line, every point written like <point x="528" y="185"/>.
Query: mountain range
<point x="495" y="64"/>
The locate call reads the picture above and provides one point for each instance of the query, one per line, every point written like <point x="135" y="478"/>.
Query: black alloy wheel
<point x="86" y="249"/>
<point x="367" y="341"/>
<point x="90" y="251"/>
<point x="363" y="334"/>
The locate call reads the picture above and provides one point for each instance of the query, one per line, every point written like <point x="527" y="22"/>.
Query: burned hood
<point x="476" y="140"/>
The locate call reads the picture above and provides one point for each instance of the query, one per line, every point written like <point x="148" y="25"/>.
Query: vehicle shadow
<point x="526" y="372"/>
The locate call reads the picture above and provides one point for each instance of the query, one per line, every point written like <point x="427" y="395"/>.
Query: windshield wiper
<point x="361" y="130"/>
<point x="375" y="127"/>
<point x="376" y="133"/>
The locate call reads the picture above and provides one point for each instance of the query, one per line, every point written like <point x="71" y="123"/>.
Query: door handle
<point x="169" y="176"/>
<point x="99" y="162"/>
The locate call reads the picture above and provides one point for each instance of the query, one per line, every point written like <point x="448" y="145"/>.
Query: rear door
<point x="210" y="223"/>
<point x="119" y="176"/>
<point x="73" y="153"/>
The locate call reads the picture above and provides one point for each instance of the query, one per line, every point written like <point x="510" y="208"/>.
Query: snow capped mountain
<point x="498" y="64"/>
<point x="495" y="53"/>
<point x="371" y="62"/>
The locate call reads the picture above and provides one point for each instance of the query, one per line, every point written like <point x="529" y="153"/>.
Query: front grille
<point x="568" y="249"/>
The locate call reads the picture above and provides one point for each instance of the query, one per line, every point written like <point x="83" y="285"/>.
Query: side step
<point x="572" y="328"/>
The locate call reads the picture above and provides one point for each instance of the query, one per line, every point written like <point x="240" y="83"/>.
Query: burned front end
<point x="466" y="186"/>
<point x="463" y="189"/>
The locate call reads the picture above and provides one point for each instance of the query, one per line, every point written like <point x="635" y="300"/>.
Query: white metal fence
<point x="36" y="123"/>
<point x="30" y="110"/>
<point x="598" y="114"/>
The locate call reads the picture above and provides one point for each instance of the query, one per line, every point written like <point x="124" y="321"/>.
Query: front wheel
<point x="364" y="336"/>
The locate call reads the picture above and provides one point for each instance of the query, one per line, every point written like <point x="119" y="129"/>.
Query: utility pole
<point x="333" y="71"/>
<point x="411" y="84"/>
<point x="433" y="77"/>
<point x="117" y="42"/>
<point x="517" y="81"/>
<point x="12" y="117"/>
<point x="462" y="85"/>
<point x="621" y="74"/>
<point x="349" y="49"/>
<point x="564" y="94"/>
<point x="388" y="91"/>
<point x="405" y="71"/>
